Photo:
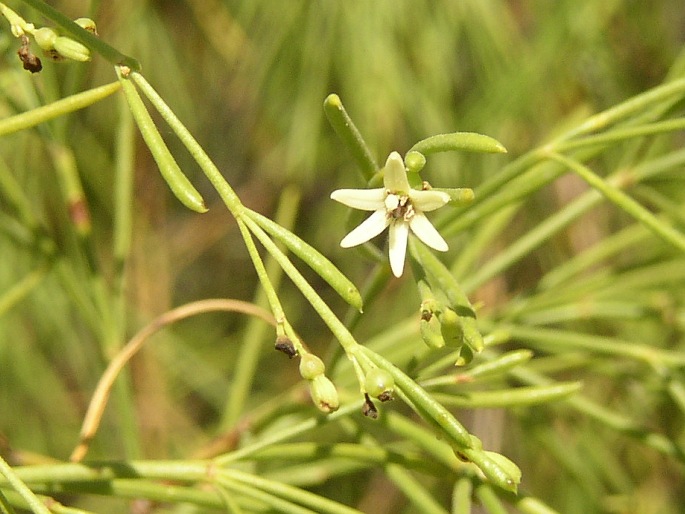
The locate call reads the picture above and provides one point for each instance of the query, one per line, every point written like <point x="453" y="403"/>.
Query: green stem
<point x="18" y="485"/>
<point x="624" y="202"/>
<point x="255" y="332"/>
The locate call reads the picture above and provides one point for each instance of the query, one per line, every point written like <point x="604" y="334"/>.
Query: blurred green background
<point x="248" y="78"/>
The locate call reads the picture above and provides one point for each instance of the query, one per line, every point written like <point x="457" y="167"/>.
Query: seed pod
<point x="379" y="384"/>
<point x="311" y="366"/>
<point x="324" y="394"/>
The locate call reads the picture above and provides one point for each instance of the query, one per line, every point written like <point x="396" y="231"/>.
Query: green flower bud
<point x="510" y="469"/>
<point x="87" y="24"/>
<point x="414" y="161"/>
<point x="45" y="38"/>
<point x="450" y="328"/>
<point x="379" y="384"/>
<point x="311" y="366"/>
<point x="18" y="25"/>
<point x="430" y="332"/>
<point x="324" y="394"/>
<point x="72" y="49"/>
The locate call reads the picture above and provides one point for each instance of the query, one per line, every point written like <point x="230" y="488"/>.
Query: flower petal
<point x="369" y="228"/>
<point x="428" y="200"/>
<point x="426" y="232"/>
<point x="364" y="199"/>
<point x="399" y="233"/>
<point x="395" y="175"/>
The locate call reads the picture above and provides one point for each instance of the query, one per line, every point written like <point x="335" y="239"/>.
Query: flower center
<point x="398" y="207"/>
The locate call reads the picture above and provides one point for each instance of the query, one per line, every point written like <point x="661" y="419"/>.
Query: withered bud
<point x="285" y="345"/>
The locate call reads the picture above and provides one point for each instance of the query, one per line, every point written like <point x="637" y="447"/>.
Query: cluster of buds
<point x="322" y="390"/>
<point x="55" y="46"/>
<point x="441" y="325"/>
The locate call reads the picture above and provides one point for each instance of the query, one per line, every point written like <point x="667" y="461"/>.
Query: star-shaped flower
<point x="398" y="206"/>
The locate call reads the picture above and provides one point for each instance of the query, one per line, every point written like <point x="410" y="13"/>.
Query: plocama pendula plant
<point x="358" y="390"/>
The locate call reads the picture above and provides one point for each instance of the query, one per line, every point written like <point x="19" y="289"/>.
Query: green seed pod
<point x="414" y="161"/>
<point x="324" y="394"/>
<point x="87" y="24"/>
<point x="45" y="38"/>
<point x="71" y="49"/>
<point x="379" y="384"/>
<point x="311" y="366"/>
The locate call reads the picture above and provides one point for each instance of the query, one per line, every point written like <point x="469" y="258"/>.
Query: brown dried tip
<point x="285" y="345"/>
<point x="29" y="60"/>
<point x="369" y="409"/>
<point x="385" y="396"/>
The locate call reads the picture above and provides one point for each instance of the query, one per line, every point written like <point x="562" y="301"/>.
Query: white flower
<point x="398" y="206"/>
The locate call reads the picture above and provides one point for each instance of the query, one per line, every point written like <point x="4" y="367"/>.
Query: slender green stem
<point x="37" y="506"/>
<point x="323" y="310"/>
<point x="251" y="349"/>
<point x="624" y="202"/>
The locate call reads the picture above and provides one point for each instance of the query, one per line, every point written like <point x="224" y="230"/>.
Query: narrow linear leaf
<point x="521" y="396"/>
<point x="624" y="202"/>
<point x="177" y="181"/>
<point x="58" y="108"/>
<point x="313" y="258"/>
<point x="465" y="141"/>
<point x="347" y="131"/>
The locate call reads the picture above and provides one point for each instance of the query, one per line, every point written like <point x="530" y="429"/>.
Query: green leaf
<point x="466" y="141"/>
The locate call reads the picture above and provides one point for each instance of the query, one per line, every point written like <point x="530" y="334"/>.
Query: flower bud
<point x="324" y="394"/>
<point x="45" y="38"/>
<point x="379" y="384"/>
<point x="87" y="24"/>
<point x="430" y="333"/>
<point x="72" y="49"/>
<point x="414" y="161"/>
<point x="311" y="366"/>
<point x="450" y="328"/>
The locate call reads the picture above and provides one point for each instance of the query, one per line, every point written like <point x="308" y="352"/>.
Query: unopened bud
<point x="324" y="394"/>
<point x="45" y="38"/>
<point x="379" y="384"/>
<point x="72" y="49"/>
<point x="87" y="24"/>
<point x="311" y="366"/>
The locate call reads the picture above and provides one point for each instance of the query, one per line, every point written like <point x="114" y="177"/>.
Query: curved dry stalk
<point x="97" y="404"/>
